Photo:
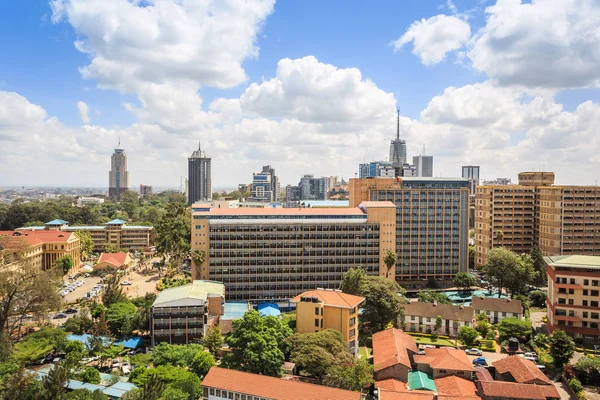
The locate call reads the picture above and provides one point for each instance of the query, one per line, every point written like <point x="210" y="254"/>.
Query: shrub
<point x="576" y="385"/>
<point x="467" y="335"/>
<point x="581" y="396"/>
<point x="587" y="370"/>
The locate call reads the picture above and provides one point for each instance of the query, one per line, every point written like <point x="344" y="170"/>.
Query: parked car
<point x="116" y="364"/>
<point x="60" y="316"/>
<point x="541" y="367"/>
<point x="474" y="352"/>
<point x="480" y="361"/>
<point x="126" y="283"/>
<point x="530" y="354"/>
<point x="71" y="311"/>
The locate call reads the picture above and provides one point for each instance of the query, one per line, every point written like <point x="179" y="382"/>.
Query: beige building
<point x="497" y="309"/>
<point x="321" y="309"/>
<point x="574" y="295"/>
<point x="419" y="315"/>
<point x="272" y="254"/>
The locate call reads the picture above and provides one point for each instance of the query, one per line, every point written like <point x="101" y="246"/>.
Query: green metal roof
<point x="574" y="261"/>
<point x="420" y="381"/>
<point x="57" y="222"/>
<point x="198" y="290"/>
<point x="116" y="222"/>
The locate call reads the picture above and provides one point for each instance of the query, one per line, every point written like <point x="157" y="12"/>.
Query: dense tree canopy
<point x="562" y="347"/>
<point x="465" y="280"/>
<point x="315" y="353"/>
<point x="120" y="318"/>
<point x="467" y="335"/>
<point x="180" y="355"/>
<point x="64" y="264"/>
<point x="430" y="296"/>
<point x="383" y="303"/>
<point x="514" y="327"/>
<point x="507" y="270"/>
<point x="354" y="281"/>
<point x="213" y="340"/>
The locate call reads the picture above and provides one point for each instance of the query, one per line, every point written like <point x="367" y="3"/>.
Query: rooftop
<point x="235" y="310"/>
<point x="522" y="370"/>
<point x="272" y="388"/>
<point x="511" y="390"/>
<point x="496" y="304"/>
<point x="455" y="386"/>
<point x="116" y="222"/>
<point x="57" y="222"/>
<point x="576" y="261"/>
<point x="251" y="211"/>
<point x="334" y="298"/>
<point x="447" y="311"/>
<point x="116" y="259"/>
<point x="390" y="347"/>
<point x="377" y="204"/>
<point x="198" y="290"/>
<point x="418" y="380"/>
<point x="445" y="358"/>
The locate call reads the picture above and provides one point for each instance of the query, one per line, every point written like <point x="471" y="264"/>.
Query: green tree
<point x="100" y="327"/>
<point x="538" y="298"/>
<point x="174" y="234"/>
<point x="353" y="281"/>
<point x="144" y="306"/>
<point x="254" y="345"/>
<point x="152" y="379"/>
<point x="389" y="259"/>
<point x="356" y="376"/>
<point x="110" y="248"/>
<point x="514" y="327"/>
<point x="430" y="296"/>
<point x="84" y="394"/>
<point x="40" y="343"/>
<point x="467" y="335"/>
<point x="97" y="309"/>
<point x="483" y="326"/>
<point x="198" y="257"/>
<point x="213" y="340"/>
<point x="539" y="266"/>
<point x="120" y="318"/>
<point x="55" y="382"/>
<point x="562" y="347"/>
<point x="64" y="264"/>
<point x="173" y="393"/>
<point x="315" y="353"/>
<point x="86" y="242"/>
<point x="203" y="361"/>
<point x="76" y="352"/>
<point x="498" y="236"/>
<point x="438" y="324"/>
<point x="113" y="292"/>
<point x="507" y="270"/>
<point x="90" y="375"/>
<point x="17" y="383"/>
<point x="464" y="281"/>
<point x="383" y="302"/>
<point x="78" y="325"/>
<point x="180" y="355"/>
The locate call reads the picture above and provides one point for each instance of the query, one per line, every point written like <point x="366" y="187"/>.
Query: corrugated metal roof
<point x="574" y="261"/>
<point x="420" y="380"/>
<point x="198" y="290"/>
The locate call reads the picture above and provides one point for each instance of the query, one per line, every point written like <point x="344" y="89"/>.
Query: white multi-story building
<point x="497" y="309"/>
<point x="421" y="317"/>
<point x="84" y="201"/>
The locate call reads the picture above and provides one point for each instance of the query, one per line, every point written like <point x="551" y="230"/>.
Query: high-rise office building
<point x="199" y="177"/>
<point x="376" y="168"/>
<point x="118" y="176"/>
<point x="471" y="172"/>
<point x="145" y="190"/>
<point x="273" y="254"/>
<point x="311" y="188"/>
<point x="265" y="185"/>
<point x="424" y="165"/>
<point x="398" y="147"/>
<point x="431" y="225"/>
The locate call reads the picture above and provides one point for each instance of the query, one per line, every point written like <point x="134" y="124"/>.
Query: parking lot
<point x="79" y="292"/>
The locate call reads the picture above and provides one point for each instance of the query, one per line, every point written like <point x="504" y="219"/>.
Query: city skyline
<point x="269" y="99"/>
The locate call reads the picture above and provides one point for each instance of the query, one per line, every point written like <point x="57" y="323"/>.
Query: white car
<point x="126" y="283"/>
<point x="530" y="354"/>
<point x="116" y="364"/>
<point x="474" y="352"/>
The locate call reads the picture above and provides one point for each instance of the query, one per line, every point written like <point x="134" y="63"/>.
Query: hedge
<point x="428" y="335"/>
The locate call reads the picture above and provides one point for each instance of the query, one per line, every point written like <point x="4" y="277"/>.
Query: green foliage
<point x="113" y="292"/>
<point x="84" y="394"/>
<point x="64" y="264"/>
<point x="587" y="370"/>
<point x="562" y="347"/>
<point x="383" y="302"/>
<point x="17" y="383"/>
<point x="430" y="296"/>
<point x="78" y="325"/>
<point x="144" y="305"/>
<point x="180" y="355"/>
<point x="258" y="345"/>
<point x="539" y="267"/>
<point x="356" y="376"/>
<point x="97" y="310"/>
<point x="166" y="375"/>
<point x="353" y="281"/>
<point x="538" y="298"/>
<point x="576" y="385"/>
<point x="120" y="318"/>
<point x="54" y="383"/>
<point x="514" y="327"/>
<point x="90" y="375"/>
<point x="467" y="335"/>
<point x="540" y="340"/>
<point x="389" y="259"/>
<point x="507" y="270"/>
<point x="173" y="393"/>
<point x="38" y="344"/>
<point x="289" y="319"/>
<point x="110" y="248"/>
<point x="86" y="243"/>
<point x="464" y="280"/>
<point x="203" y="361"/>
<point x="315" y="353"/>
<point x="438" y="323"/>
<point x="141" y="359"/>
<point x="167" y="283"/>
<point x="213" y="340"/>
<point x="76" y="352"/>
<point x="174" y="233"/>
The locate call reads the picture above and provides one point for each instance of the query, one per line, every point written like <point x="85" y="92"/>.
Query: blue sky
<point x="508" y="103"/>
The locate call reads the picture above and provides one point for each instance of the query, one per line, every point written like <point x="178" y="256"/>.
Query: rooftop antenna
<point x="119" y="145"/>
<point x="398" y="125"/>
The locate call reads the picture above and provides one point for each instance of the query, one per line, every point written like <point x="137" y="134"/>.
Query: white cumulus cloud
<point x="434" y="37"/>
<point x="84" y="112"/>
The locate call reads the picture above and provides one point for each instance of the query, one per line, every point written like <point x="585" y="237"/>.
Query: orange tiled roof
<point x="50" y="236"/>
<point x="280" y="211"/>
<point x="522" y="370"/>
<point x="448" y="358"/>
<point x="116" y="259"/>
<point x="377" y="204"/>
<point x="511" y="390"/>
<point x="271" y="388"/>
<point x="390" y="347"/>
<point x="455" y="386"/>
<point x="393" y="385"/>
<point x="334" y="298"/>
<point x="408" y="395"/>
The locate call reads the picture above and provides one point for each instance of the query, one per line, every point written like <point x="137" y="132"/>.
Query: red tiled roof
<point x="334" y="298"/>
<point x="455" y="386"/>
<point x="511" y="390"/>
<point x="50" y="236"/>
<point x="522" y="370"/>
<point x="496" y="304"/>
<point x="116" y="259"/>
<point x="281" y="211"/>
<point x="271" y="388"/>
<point x="390" y="347"/>
<point x="377" y="204"/>
<point x="483" y="375"/>
<point x="408" y="395"/>
<point x="550" y="391"/>
<point x="393" y="385"/>
<point x="447" y="358"/>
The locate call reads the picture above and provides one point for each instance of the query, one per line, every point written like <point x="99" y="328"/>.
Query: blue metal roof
<point x="116" y="222"/>
<point x="268" y="309"/>
<point x="85" y="338"/>
<point x="235" y="310"/>
<point x="57" y="222"/>
<point x="131" y="343"/>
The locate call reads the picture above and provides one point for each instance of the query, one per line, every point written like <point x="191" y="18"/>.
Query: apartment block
<point x="497" y="309"/>
<point x="431" y="225"/>
<point x="116" y="233"/>
<point x="272" y="254"/>
<point x="574" y="295"/>
<point x="329" y="309"/>
<point x="182" y="314"/>
<point x="421" y="317"/>
<point x="561" y="220"/>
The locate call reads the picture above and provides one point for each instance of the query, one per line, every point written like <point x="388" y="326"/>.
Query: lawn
<point x="437" y="342"/>
<point x="364" y="352"/>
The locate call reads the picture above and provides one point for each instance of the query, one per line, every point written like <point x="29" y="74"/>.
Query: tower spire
<point x="119" y="145"/>
<point x="398" y="125"/>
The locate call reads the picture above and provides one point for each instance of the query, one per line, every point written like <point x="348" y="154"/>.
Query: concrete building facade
<point x="272" y="254"/>
<point x="118" y="176"/>
<point x="265" y="186"/>
<point x="431" y="225"/>
<point x="199" y="177"/>
<point x="424" y="165"/>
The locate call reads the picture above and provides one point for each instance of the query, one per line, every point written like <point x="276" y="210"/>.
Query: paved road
<point x="79" y="292"/>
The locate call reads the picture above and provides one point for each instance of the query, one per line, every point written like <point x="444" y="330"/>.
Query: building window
<point x="585" y="314"/>
<point x="572" y="280"/>
<point x="212" y="391"/>
<point x="316" y="310"/>
<point x="594" y="303"/>
<point x="571" y="291"/>
<point x="218" y="393"/>
<point x="321" y="323"/>
<point x="586" y="282"/>
<point x="571" y="302"/>
<point x="230" y="395"/>
<point x="594" y="293"/>
<point x="585" y="302"/>
<point x="352" y="333"/>
<point x="595" y="315"/>
<point x="585" y="292"/>
<point x="595" y="283"/>
<point x="562" y="301"/>
<point x="442" y="371"/>
<point x="317" y="322"/>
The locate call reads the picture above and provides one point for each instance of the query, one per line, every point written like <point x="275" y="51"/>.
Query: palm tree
<point x="389" y="259"/>
<point x="498" y="236"/>
<point x="198" y="256"/>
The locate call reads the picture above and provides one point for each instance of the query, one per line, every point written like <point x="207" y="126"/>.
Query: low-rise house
<point x="420" y="316"/>
<point x="498" y="390"/>
<point x="225" y="384"/>
<point x="113" y="261"/>
<point x="393" y="352"/>
<point x="182" y="314"/>
<point x="445" y="361"/>
<point x="497" y="309"/>
<point x="520" y="370"/>
<point x="455" y="387"/>
<point x="321" y="309"/>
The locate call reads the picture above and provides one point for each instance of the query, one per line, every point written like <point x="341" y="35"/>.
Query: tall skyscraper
<point x="199" y="181"/>
<point x="471" y="172"/>
<point x="398" y="147"/>
<point x="424" y="165"/>
<point x="265" y="185"/>
<point x="118" y="176"/>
